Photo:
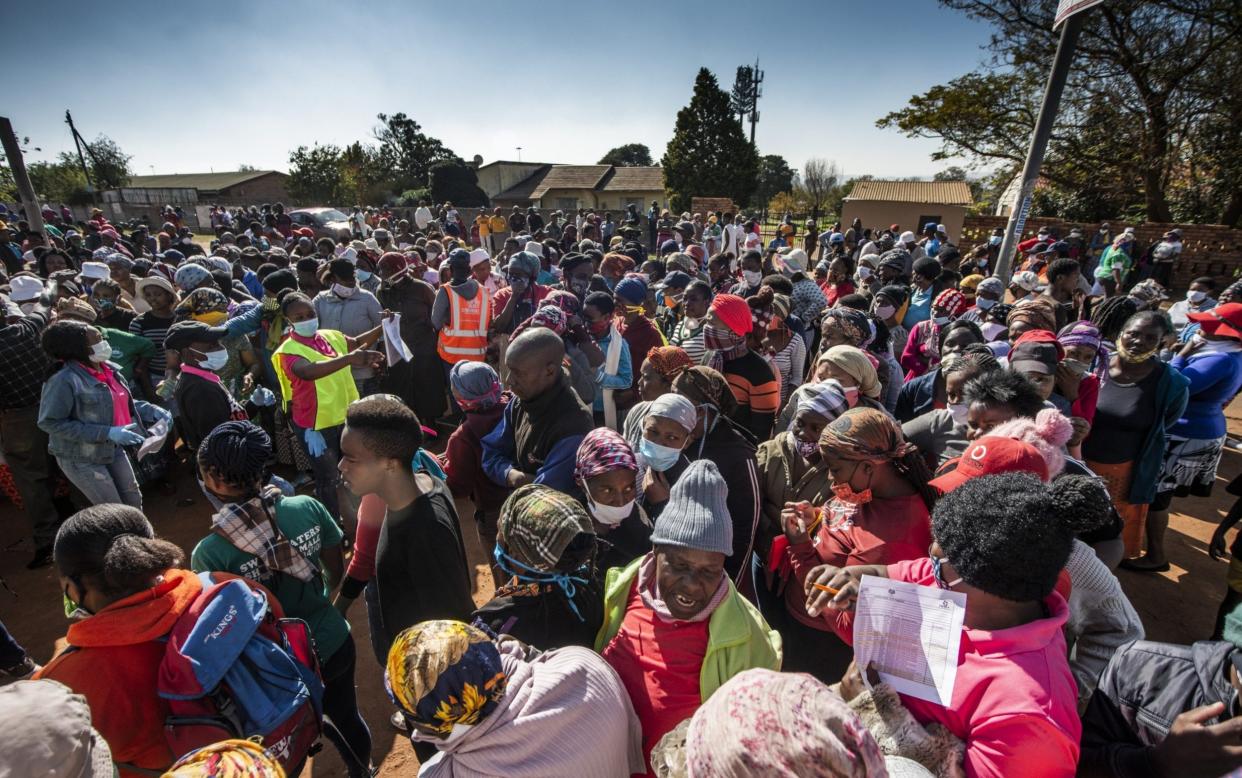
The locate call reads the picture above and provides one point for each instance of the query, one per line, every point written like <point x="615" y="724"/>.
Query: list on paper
<point x="910" y="635"/>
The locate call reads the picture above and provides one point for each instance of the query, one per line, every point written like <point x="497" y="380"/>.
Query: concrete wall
<point x="909" y="216"/>
<point x="135" y="203"/>
<point x="257" y="191"/>
<point x="497" y="178"/>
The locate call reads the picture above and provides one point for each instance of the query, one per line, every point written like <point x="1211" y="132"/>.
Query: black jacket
<point x="1145" y="686"/>
<point x="733" y="450"/>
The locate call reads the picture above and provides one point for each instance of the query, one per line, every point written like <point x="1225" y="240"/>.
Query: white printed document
<point x="910" y="634"/>
<point x="395" y="349"/>
<point x="154" y="441"/>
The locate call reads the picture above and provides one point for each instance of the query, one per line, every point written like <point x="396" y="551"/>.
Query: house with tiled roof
<point x="570" y="187"/>
<point x="908" y="204"/>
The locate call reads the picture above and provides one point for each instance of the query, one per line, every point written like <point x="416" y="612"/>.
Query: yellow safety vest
<point x="333" y="393"/>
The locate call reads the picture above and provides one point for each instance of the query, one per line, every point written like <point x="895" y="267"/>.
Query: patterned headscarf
<point x="549" y="317"/>
<point x="616" y="264"/>
<point x="847" y="323"/>
<point x="970" y="284"/>
<point x="602" y="451"/>
<point x="857" y="364"/>
<point x="191" y="276"/>
<point x="525" y="262"/>
<point x="1084" y="333"/>
<point x="952" y="301"/>
<point x="475" y="385"/>
<point x="206" y="304"/>
<point x="442" y="673"/>
<point x="537" y="524"/>
<point x="566" y="301"/>
<point x="227" y="759"/>
<point x="827" y="398"/>
<point x="763" y="722"/>
<point x="669" y="361"/>
<point x="703" y="385"/>
<point x="1037" y="313"/>
<point x="865" y="435"/>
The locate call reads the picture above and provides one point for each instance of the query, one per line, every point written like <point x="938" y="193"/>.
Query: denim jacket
<point x="76" y="413"/>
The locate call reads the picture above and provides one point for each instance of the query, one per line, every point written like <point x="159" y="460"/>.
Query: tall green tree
<point x="407" y="152"/>
<point x="775" y="176"/>
<point x="315" y="176"/>
<point x="709" y="155"/>
<point x="456" y="182"/>
<point x="1150" y="80"/>
<point x="60" y="181"/>
<point x="108" y="163"/>
<point x="629" y="155"/>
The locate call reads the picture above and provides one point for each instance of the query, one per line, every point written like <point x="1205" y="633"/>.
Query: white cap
<point x="349" y="254"/>
<point x="95" y="270"/>
<point x="1025" y="280"/>
<point x="371" y="244"/>
<point x="906" y="237"/>
<point x="24" y="288"/>
<point x="940" y="228"/>
<point x="534" y="247"/>
<point x="795" y="261"/>
<point x="478" y="257"/>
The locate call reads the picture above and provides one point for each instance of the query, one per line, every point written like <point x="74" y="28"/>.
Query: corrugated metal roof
<point x="571" y="177"/>
<point x="635" y="179"/>
<point x="937" y="192"/>
<point x="206" y="181"/>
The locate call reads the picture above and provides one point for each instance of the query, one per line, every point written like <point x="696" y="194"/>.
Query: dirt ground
<point x="1178" y="606"/>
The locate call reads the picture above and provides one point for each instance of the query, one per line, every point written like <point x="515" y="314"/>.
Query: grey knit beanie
<point x="697" y="515"/>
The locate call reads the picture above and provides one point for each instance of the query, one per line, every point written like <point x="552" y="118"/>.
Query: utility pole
<point x="79" y="142"/>
<point x="756" y="93"/>
<point x="1071" y="23"/>
<point x="18" y="165"/>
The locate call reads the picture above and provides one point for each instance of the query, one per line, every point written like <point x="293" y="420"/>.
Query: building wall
<point x="616" y="201"/>
<point x="567" y="199"/>
<point x="264" y="189"/>
<point x="135" y="203"/>
<point x="909" y="216"/>
<point x="497" y="178"/>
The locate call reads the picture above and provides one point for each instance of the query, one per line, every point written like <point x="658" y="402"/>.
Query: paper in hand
<point x="156" y="436"/>
<point x="394" y="347"/>
<point x="910" y="635"/>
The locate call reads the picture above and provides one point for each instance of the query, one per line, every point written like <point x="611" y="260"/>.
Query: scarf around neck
<point x="247" y="526"/>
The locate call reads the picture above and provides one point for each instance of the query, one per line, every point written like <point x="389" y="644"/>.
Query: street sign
<point x="1067" y="8"/>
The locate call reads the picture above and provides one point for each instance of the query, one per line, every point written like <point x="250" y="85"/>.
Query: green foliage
<point x="775" y="176"/>
<point x="709" y="155"/>
<point x="406" y="152"/>
<point x="456" y="182"/>
<point x="1147" y="123"/>
<point x="412" y="197"/>
<point x="629" y="155"/>
<point x="109" y="165"/>
<point x="59" y="181"/>
<point x="315" y="175"/>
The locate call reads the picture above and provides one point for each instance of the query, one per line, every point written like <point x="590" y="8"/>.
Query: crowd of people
<point x="681" y="456"/>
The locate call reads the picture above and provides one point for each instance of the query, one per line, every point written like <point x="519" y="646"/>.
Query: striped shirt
<point x="690" y="339"/>
<point x="153" y="328"/>
<point x="757" y="390"/>
<point x="790" y="364"/>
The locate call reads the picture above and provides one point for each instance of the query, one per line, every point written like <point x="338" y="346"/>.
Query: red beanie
<point x="734" y="312"/>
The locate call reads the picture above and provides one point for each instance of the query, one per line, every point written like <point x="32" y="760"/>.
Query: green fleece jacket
<point x="737" y="636"/>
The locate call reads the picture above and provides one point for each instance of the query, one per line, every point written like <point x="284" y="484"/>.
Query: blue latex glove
<point x="315" y="443"/>
<point x="263" y="397"/>
<point x="124" y="436"/>
<point x="161" y="414"/>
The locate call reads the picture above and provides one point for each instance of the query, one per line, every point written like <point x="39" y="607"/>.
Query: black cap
<point x="674" y="280"/>
<point x="183" y="333"/>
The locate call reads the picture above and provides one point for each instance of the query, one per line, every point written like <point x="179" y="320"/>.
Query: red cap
<point x="1224" y="320"/>
<point x="992" y="455"/>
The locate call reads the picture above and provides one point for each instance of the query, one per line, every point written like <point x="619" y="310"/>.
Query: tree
<point x="775" y="176"/>
<point x="742" y="98"/>
<point x="109" y="165"/>
<point x="60" y="181"/>
<point x="365" y="177"/>
<point x="708" y="155"/>
<point x="1136" y="116"/>
<point x="244" y="168"/>
<point x="629" y="155"/>
<point x="315" y="175"/>
<point x="456" y="182"/>
<point x="820" y="178"/>
<point x="406" y="152"/>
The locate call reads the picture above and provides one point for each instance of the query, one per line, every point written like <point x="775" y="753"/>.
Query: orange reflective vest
<point x="465" y="335"/>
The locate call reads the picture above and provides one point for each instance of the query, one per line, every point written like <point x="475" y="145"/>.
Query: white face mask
<point x="884" y="312"/>
<point x="752" y="277"/>
<point x="1195" y="296"/>
<point x="343" y="291"/>
<point x="960" y="411"/>
<point x="608" y="515"/>
<point x="864" y="272"/>
<point x="941" y="320"/>
<point x="101" y="352"/>
<point x="27" y="307"/>
<point x="983" y="303"/>
<point x="214" y="360"/>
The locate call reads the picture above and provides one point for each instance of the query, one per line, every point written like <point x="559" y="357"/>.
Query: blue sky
<point x="231" y="82"/>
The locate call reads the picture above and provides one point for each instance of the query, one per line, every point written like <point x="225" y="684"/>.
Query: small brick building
<point x="250" y="187"/>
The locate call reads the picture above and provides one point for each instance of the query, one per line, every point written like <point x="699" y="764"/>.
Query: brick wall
<point x="1208" y="249"/>
<point x="264" y="189"/>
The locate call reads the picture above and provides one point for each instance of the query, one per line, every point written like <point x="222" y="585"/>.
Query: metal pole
<point x="18" y="165"/>
<point x="1039" y="143"/>
<point x="78" y="143"/>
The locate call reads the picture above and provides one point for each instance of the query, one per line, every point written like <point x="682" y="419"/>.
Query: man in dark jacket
<point x="1164" y="710"/>
<point x="203" y="403"/>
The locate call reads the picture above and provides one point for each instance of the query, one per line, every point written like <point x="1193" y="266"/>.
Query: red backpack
<point x="231" y="669"/>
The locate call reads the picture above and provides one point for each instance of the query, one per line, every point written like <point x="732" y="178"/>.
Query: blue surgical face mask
<point x="995" y="240"/>
<point x="362" y="276"/>
<point x="658" y="458"/>
<point x="306" y="328"/>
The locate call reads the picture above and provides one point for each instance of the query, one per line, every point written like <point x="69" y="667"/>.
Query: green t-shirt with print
<point x="127" y="349"/>
<point x="310" y="528"/>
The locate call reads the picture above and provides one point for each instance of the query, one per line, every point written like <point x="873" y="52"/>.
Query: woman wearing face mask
<point x="613" y="268"/>
<point x="547" y="548"/>
<point x="889" y="306"/>
<point x="839" y="282"/>
<point x="922" y="350"/>
<point x="791" y="470"/>
<point x="106" y="299"/>
<point x="664" y="431"/>
<point x="241" y="369"/>
<point x="316" y="386"/>
<point x="688" y="335"/>
<point x="90" y="415"/>
<point x="988" y="292"/>
<point x="1198" y="300"/>
<point x="606" y="474"/>
<point x="517" y="302"/>
<point x="851" y="368"/>
<point x="752" y="275"/>
<point x="879" y="513"/>
<point x="615" y="378"/>
<point x="202" y="398"/>
<point x="752" y="379"/>
<point x="717" y="437"/>
<point x="1141" y="399"/>
<point x="922" y="291"/>
<point x="942" y="433"/>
